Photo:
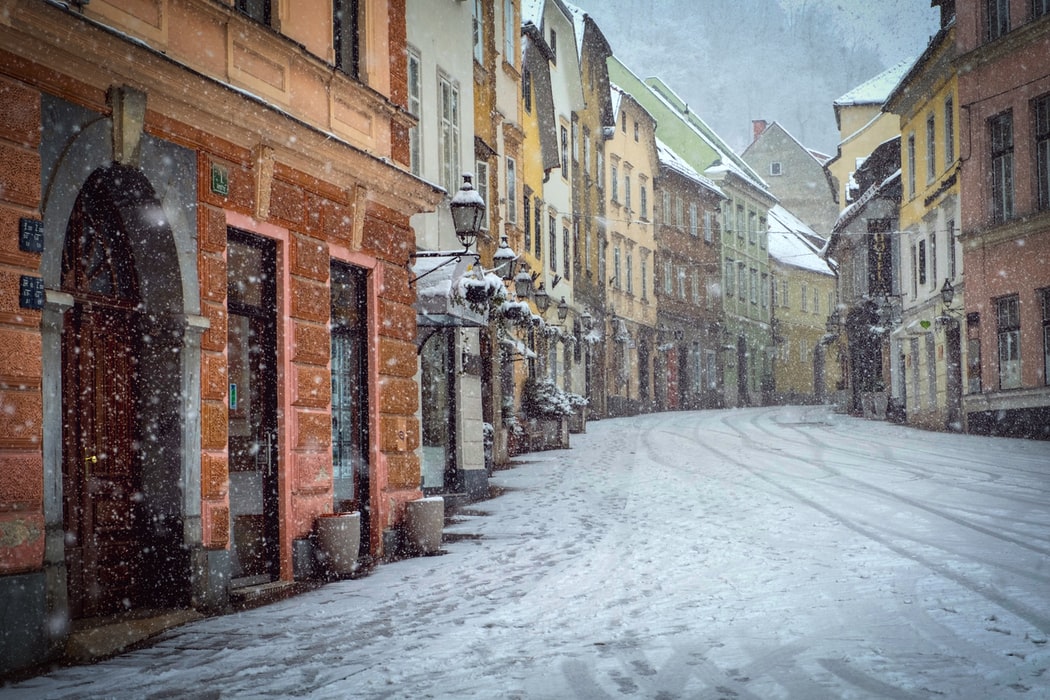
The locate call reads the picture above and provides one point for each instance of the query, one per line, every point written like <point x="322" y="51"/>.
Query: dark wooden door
<point x="100" y="479"/>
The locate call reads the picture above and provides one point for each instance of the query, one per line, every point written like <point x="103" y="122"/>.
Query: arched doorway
<point x="120" y="445"/>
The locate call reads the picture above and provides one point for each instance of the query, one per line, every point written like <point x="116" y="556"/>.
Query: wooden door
<point x="100" y="481"/>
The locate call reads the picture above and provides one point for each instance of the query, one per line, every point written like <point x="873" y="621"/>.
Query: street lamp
<point x="523" y="284"/>
<point x="542" y="299"/>
<point x="947" y="296"/>
<point x="468" y="211"/>
<point x="563" y="310"/>
<point x="503" y="260"/>
<point x="587" y="320"/>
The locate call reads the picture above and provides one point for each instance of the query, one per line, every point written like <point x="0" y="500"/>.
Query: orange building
<point x="207" y="337"/>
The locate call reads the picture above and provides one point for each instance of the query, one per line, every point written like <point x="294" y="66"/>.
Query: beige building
<point x="632" y="165"/>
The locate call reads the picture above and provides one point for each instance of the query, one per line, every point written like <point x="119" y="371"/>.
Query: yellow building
<point x="863" y="126"/>
<point x="631" y="167"/>
<point x="927" y="344"/>
<point x="804" y="295"/>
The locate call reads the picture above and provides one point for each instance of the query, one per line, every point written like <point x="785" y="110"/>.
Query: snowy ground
<point x="757" y="553"/>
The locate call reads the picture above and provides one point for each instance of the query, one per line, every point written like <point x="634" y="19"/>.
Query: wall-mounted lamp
<point x="503" y="260"/>
<point x="563" y="310"/>
<point x="523" y="284"/>
<point x="542" y="299"/>
<point x="587" y="320"/>
<point x="947" y="296"/>
<point x="468" y="211"/>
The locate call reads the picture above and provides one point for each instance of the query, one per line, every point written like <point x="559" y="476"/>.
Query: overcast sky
<point x="782" y="60"/>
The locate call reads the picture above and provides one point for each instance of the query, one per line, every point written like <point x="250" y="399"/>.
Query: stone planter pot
<point x="338" y="542"/>
<point x="578" y="421"/>
<point x="424" y="522"/>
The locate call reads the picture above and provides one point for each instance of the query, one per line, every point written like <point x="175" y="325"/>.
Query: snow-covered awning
<point x="443" y="289"/>
<point x="513" y="346"/>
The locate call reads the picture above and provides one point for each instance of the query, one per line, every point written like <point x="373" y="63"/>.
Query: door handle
<point x="88" y="461"/>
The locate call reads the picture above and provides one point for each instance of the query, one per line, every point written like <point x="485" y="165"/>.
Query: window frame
<point x="1001" y="152"/>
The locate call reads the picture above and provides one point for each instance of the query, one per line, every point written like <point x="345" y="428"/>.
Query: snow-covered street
<point x="755" y="553"/>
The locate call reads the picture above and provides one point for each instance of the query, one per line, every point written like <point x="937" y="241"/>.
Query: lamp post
<point x="542" y="299"/>
<point x="503" y="260"/>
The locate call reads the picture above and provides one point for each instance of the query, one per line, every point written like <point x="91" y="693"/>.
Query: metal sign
<point x="30" y="235"/>
<point x="220" y="180"/>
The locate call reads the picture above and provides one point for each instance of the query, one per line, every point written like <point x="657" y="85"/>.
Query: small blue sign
<point x="30" y="235"/>
<point x="31" y="292"/>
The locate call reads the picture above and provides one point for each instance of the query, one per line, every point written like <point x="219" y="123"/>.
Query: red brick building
<point x="1004" y="93"/>
<point x="207" y="337"/>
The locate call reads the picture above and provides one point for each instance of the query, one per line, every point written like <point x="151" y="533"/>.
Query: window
<point x="623" y="122"/>
<point x="764" y="292"/>
<point x="259" y="10"/>
<point x="695" y="286"/>
<point x="740" y="222"/>
<point x="449" y="135"/>
<point x="1040" y="8"/>
<point x="537" y="225"/>
<point x="763" y="231"/>
<point x="914" y="273"/>
<point x="753" y="284"/>
<point x="586" y="151"/>
<point x="554" y="46"/>
<point x="1009" y="329"/>
<point x="477" y="21"/>
<point x="805" y="297"/>
<point x="629" y="271"/>
<point x="1042" y="147"/>
<point x="775" y="168"/>
<point x="644" y="268"/>
<point x="949" y="131"/>
<point x="1002" y="133"/>
<point x="616" y="267"/>
<point x="564" y="152"/>
<point x="933" y="259"/>
<point x="346" y="34"/>
<point x="922" y="262"/>
<point x="1045" y="298"/>
<point x="694" y="225"/>
<point x="481" y="184"/>
<point x="643" y="202"/>
<point x="681" y="283"/>
<point x="512" y="191"/>
<point x="636" y="130"/>
<point x="997" y="18"/>
<point x="816" y="301"/>
<point x="911" y="165"/>
<point x="566" y="253"/>
<point x="526" y="211"/>
<point x="669" y="276"/>
<point x="741" y="281"/>
<point x="526" y="89"/>
<point x="679" y="213"/>
<point x="952" y="260"/>
<point x="752" y="232"/>
<point x="667" y="208"/>
<point x="414" y="107"/>
<point x="627" y="192"/>
<point x="931" y="148"/>
<point x="728" y="274"/>
<point x="708" y="227"/>
<point x="510" y="31"/>
<point x="575" y="141"/>
<point x="615" y="177"/>
<point x="552" y="247"/>
<point x="785" y="291"/>
<point x="599" y="167"/>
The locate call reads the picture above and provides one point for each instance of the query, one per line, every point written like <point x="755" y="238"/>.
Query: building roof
<point x="673" y="161"/>
<point x="878" y="89"/>
<point x="790" y="242"/>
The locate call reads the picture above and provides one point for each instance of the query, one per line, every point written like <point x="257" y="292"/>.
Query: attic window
<point x="775" y="168"/>
<point x="554" y="46"/>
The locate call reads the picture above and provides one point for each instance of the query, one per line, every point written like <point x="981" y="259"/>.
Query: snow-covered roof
<point x="673" y="161"/>
<point x="579" y="18"/>
<point x="820" y="158"/>
<point x="876" y="90"/>
<point x="532" y="11"/>
<point x="789" y="242"/>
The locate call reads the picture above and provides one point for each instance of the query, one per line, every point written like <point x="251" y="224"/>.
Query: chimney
<point x="757" y="127"/>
